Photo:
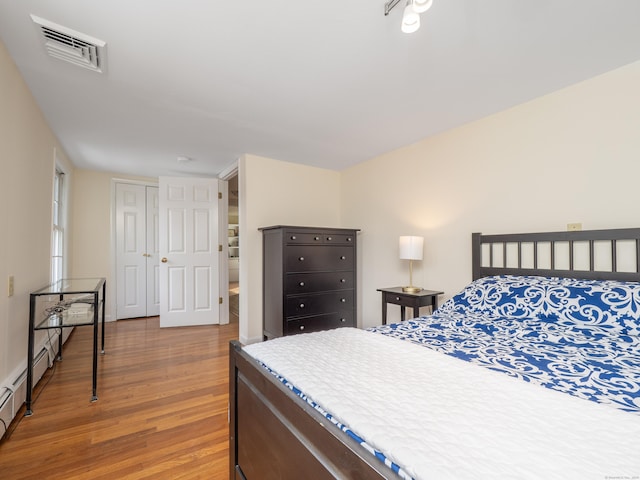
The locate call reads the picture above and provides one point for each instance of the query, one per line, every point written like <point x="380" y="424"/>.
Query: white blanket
<point x="440" y="418"/>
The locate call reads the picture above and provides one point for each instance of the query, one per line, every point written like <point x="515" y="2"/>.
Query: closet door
<point x="131" y="260"/>
<point x="153" y="253"/>
<point x="137" y="251"/>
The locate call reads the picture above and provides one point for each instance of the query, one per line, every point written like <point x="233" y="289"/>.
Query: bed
<point x="531" y="371"/>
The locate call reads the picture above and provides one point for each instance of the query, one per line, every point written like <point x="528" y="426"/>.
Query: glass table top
<point x="71" y="285"/>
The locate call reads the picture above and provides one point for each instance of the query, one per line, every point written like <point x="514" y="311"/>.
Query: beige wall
<point x="572" y="156"/>
<point x="276" y="193"/>
<point x="27" y="148"/>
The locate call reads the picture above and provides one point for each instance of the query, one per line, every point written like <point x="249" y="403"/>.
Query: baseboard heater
<point x="13" y="396"/>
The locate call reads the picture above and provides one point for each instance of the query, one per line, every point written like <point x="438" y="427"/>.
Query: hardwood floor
<point x="161" y="413"/>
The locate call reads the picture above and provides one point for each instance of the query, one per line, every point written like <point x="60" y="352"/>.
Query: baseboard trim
<point x="249" y="340"/>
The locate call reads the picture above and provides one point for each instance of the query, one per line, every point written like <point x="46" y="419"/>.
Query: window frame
<point x="58" y="258"/>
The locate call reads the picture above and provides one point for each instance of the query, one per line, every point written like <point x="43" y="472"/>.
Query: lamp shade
<point x="411" y="247"/>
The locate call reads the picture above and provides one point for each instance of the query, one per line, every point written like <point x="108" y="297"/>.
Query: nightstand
<point x="396" y="296"/>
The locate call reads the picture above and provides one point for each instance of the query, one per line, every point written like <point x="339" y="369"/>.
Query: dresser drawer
<point x="319" y="322"/>
<point x="311" y="238"/>
<point x="302" y="305"/>
<point x="409" y="300"/>
<point x="339" y="239"/>
<point x="299" y="238"/>
<point x="296" y="283"/>
<point x="320" y="258"/>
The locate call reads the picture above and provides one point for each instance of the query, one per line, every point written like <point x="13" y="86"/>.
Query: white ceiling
<point x="320" y="82"/>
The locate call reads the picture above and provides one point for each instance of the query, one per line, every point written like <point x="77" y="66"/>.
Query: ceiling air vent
<point x="73" y="47"/>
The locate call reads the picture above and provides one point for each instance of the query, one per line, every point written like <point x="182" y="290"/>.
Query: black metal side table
<point x="52" y="307"/>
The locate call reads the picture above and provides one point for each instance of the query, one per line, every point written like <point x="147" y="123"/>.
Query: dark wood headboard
<point x="589" y="254"/>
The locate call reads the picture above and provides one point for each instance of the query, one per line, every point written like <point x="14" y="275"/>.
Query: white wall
<point x="276" y="193"/>
<point x="27" y="148"/>
<point x="572" y="156"/>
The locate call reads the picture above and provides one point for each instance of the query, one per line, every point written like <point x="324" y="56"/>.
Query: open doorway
<point x="234" y="249"/>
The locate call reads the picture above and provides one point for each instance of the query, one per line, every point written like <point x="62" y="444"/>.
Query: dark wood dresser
<point x="309" y="279"/>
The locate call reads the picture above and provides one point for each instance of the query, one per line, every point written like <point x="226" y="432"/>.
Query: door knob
<point x="164" y="260"/>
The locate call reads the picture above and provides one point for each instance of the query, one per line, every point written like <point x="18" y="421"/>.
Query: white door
<point x="136" y="256"/>
<point x="153" y="252"/>
<point x="189" y="287"/>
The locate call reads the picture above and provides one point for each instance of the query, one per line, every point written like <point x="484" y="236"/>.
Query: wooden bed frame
<point x="503" y="254"/>
<point x="275" y="435"/>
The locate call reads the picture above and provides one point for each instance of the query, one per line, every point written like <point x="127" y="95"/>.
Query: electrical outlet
<point x="10" y="286"/>
<point x="574" y="227"/>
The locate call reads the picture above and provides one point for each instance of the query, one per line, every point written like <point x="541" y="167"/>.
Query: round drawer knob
<point x="343" y="320"/>
<point x="301" y="259"/>
<point x="343" y="257"/>
<point x="397" y="299"/>
<point x="343" y="300"/>
<point x="302" y="305"/>
<point x="329" y="238"/>
<point x="316" y="238"/>
<point x="348" y="239"/>
<point x="301" y="284"/>
<point x="293" y="237"/>
<point x="343" y="280"/>
<point x="301" y="327"/>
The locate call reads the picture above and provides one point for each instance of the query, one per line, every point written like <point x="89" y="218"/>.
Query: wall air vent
<point x="73" y="47"/>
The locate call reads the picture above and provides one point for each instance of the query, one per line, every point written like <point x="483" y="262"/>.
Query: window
<point x="57" y="233"/>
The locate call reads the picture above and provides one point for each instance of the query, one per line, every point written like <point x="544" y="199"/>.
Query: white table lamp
<point x="411" y="249"/>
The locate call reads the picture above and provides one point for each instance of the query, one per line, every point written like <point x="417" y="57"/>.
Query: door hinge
<point x="220" y="300"/>
<point x="219" y="248"/>
<point x="219" y="195"/>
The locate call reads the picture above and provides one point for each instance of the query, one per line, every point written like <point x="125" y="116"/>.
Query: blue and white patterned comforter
<point x="575" y="336"/>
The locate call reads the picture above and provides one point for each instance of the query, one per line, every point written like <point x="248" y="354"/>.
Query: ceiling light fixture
<point x="411" y="14"/>
<point x="422" y="6"/>
<point x="410" y="18"/>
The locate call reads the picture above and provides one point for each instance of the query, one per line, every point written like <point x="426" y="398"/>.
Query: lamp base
<point x="412" y="289"/>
